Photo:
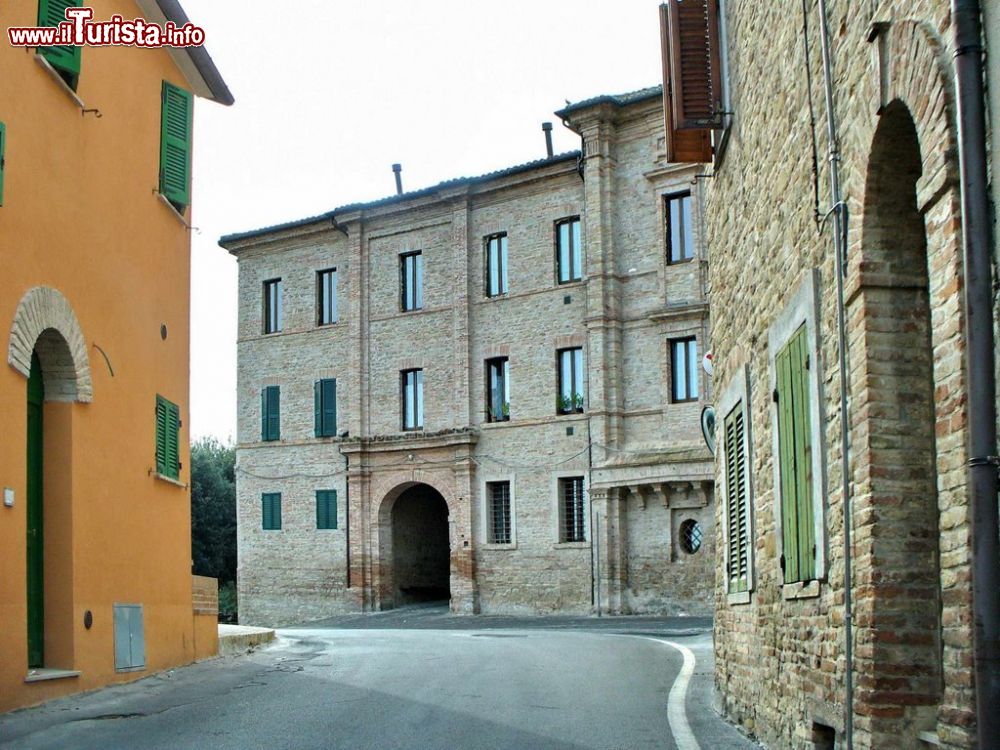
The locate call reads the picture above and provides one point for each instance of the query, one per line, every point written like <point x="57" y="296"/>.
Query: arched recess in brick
<point x="45" y="323"/>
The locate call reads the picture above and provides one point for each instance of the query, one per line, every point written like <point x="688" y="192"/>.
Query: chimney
<point x="397" y="168"/>
<point x="547" y="127"/>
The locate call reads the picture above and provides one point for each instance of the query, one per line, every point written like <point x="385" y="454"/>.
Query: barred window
<point x="571" y="526"/>
<point x="498" y="496"/>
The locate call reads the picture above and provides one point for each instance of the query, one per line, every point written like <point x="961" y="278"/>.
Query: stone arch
<point x="45" y="322"/>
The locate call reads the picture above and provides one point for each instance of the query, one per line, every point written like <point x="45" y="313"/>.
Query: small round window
<point x="691" y="535"/>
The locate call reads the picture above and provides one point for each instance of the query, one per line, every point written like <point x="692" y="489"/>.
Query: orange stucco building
<point x="95" y="539"/>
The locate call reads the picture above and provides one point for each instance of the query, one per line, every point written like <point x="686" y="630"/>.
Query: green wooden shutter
<point x="65" y="59"/>
<point x="3" y="149"/>
<point x="736" y="502"/>
<point x="795" y="454"/>
<point x="326" y="509"/>
<point x="175" y="145"/>
<point x="270" y="412"/>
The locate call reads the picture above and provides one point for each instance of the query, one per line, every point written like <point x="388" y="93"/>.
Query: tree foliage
<point x="213" y="509"/>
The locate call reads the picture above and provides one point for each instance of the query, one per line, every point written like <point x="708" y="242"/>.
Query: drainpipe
<point x="979" y="364"/>
<point x="840" y="218"/>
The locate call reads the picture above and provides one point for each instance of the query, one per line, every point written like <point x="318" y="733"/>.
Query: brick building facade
<point x="472" y="391"/>
<point x="781" y="665"/>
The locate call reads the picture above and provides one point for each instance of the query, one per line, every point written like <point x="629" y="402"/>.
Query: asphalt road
<point x="380" y="683"/>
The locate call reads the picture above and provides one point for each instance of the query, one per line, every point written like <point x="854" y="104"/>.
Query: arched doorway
<point x="421" y="549"/>
<point x="900" y="605"/>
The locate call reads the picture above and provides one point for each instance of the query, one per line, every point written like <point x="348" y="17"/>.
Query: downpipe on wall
<point x="840" y="224"/>
<point x="980" y="363"/>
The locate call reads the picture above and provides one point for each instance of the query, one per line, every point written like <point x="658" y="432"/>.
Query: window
<point x="326" y="509"/>
<point x="270" y="413"/>
<point x="271" y="511"/>
<point x="498" y="497"/>
<point x="3" y="147"/>
<point x="411" y="281"/>
<point x="168" y="422"/>
<point x="413" y="399"/>
<point x="571" y="528"/>
<point x="737" y="522"/>
<point x="497" y="390"/>
<point x="177" y="109"/>
<point x="679" y="232"/>
<point x="569" y="255"/>
<point x="791" y="396"/>
<point x="325" y="407"/>
<point x="691" y="536"/>
<point x="64" y="59"/>
<point x="496" y="265"/>
<point x="570" y="398"/>
<point x="326" y="297"/>
<point x="684" y="369"/>
<point x="272" y="306"/>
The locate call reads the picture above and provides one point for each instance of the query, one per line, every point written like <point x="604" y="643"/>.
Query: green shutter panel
<point x="318" y="408"/>
<point x="65" y="59"/>
<point x="3" y="149"/>
<point x="175" y="144"/>
<point x="786" y="451"/>
<point x="799" y="361"/>
<point x="161" y="436"/>
<point x="330" y="407"/>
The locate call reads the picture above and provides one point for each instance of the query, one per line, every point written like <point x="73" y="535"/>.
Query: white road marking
<point x="676" y="710"/>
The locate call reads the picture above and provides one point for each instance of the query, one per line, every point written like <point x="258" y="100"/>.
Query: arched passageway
<point x="421" y="551"/>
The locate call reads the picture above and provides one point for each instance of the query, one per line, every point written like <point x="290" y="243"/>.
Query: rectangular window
<point x="326" y="509"/>
<point x="272" y="306"/>
<point x="326" y="297"/>
<point x="168" y="422"/>
<point x="325" y="407"/>
<point x="64" y="59"/>
<point x="497" y="390"/>
<point x="3" y="148"/>
<point x="411" y="281"/>
<point x="270" y="413"/>
<point x="176" y="113"/>
<point x="684" y="370"/>
<point x="679" y="227"/>
<point x="737" y="529"/>
<point x="413" y="399"/>
<point x="498" y="496"/>
<point x="569" y="252"/>
<point x="571" y="515"/>
<point x="571" y="394"/>
<point x="271" y="511"/>
<point x="496" y="265"/>
<point x="795" y="455"/>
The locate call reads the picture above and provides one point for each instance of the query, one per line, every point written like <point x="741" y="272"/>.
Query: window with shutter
<point x="167" y="438"/>
<point x="326" y="509"/>
<point x="325" y="407"/>
<point x="64" y="59"/>
<point x="3" y="150"/>
<point x="271" y="511"/>
<point x="177" y="109"/>
<point x="270" y="410"/>
<point x="737" y="527"/>
<point x="795" y="457"/>
<point x="692" y="78"/>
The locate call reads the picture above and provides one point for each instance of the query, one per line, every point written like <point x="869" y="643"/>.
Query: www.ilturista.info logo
<point x="79" y="29"/>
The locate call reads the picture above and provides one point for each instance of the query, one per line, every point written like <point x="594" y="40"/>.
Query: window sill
<point x="737" y="598"/>
<point x="173" y="211"/>
<point x="169" y="480"/>
<point x="572" y="545"/>
<point x="43" y="675"/>
<point x="804" y="590"/>
<point x="47" y="67"/>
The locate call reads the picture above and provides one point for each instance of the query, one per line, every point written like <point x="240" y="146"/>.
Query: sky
<point x="329" y="94"/>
